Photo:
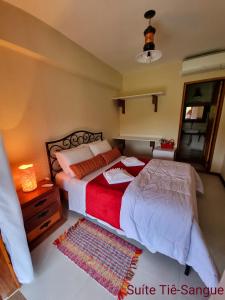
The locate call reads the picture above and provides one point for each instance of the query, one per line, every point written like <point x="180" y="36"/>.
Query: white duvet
<point x="158" y="210"/>
<point x="155" y="203"/>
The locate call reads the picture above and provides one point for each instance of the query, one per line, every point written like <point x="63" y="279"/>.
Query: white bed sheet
<point x="198" y="256"/>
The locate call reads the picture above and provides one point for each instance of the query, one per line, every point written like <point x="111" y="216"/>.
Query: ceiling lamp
<point x="149" y="53"/>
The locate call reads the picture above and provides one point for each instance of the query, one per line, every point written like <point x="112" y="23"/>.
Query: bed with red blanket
<point x="158" y="208"/>
<point x="152" y="207"/>
<point x="103" y="200"/>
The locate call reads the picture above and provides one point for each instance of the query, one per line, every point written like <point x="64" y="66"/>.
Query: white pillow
<point x="99" y="147"/>
<point x="72" y="156"/>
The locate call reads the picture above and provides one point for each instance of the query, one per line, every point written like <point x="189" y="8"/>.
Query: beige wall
<point x="28" y="34"/>
<point x="140" y="119"/>
<point x="49" y="87"/>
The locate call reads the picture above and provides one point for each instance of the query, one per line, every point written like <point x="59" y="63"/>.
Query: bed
<point x="158" y="208"/>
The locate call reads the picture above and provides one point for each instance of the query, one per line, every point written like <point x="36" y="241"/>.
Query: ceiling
<point x="112" y="30"/>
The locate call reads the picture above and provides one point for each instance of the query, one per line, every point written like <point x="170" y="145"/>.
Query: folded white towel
<point x="132" y="162"/>
<point x="117" y="175"/>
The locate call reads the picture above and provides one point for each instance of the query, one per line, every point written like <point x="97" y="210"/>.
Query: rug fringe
<point x="60" y="239"/>
<point x="63" y="236"/>
<point x="129" y="276"/>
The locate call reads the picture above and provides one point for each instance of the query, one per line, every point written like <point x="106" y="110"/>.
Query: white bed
<point x="198" y="255"/>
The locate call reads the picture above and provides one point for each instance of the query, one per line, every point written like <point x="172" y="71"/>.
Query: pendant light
<point x="149" y="53"/>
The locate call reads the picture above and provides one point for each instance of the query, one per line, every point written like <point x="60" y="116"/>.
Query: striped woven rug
<point x="106" y="257"/>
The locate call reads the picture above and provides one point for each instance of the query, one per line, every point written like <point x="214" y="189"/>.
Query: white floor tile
<point x="94" y="291"/>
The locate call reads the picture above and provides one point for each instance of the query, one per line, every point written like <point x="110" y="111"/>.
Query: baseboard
<point x="220" y="177"/>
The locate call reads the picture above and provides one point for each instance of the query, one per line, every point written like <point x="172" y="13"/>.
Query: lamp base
<point x="29" y="190"/>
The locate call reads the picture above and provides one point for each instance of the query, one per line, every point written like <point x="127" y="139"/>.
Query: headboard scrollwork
<point x="70" y="141"/>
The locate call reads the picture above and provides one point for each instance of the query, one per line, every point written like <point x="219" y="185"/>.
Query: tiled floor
<point x="57" y="278"/>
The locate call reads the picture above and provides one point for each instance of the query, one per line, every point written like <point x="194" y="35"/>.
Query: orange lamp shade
<point x="28" y="178"/>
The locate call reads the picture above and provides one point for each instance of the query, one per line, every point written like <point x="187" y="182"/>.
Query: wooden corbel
<point x="155" y="102"/>
<point x="121" y="103"/>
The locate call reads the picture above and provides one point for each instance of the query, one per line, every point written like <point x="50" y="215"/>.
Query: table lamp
<point x="28" y="178"/>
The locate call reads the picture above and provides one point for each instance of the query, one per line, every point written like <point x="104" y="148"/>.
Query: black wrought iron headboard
<point x="70" y="141"/>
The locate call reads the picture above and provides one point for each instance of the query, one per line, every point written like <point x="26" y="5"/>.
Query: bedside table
<point x="160" y="153"/>
<point x="41" y="209"/>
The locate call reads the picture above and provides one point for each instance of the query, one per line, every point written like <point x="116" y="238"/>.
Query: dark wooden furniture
<point x="41" y="210"/>
<point x="8" y="280"/>
<point x="67" y="142"/>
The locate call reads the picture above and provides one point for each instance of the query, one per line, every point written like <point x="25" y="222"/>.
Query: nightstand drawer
<point x="39" y="204"/>
<point x="41" y="216"/>
<point x="43" y="227"/>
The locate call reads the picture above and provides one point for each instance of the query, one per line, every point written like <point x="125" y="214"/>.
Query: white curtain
<point x="11" y="223"/>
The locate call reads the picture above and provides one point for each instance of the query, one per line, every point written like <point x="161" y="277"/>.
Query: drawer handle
<point x="45" y="224"/>
<point x="42" y="214"/>
<point x="41" y="202"/>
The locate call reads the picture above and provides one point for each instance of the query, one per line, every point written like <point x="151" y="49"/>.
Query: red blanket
<point x="103" y="200"/>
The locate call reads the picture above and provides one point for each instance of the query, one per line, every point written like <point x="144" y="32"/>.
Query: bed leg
<point x="187" y="270"/>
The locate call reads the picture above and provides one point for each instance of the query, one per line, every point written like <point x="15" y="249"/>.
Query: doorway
<point x="199" y="122"/>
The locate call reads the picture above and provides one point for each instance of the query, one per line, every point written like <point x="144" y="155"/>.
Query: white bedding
<point x="195" y="252"/>
<point x="156" y="201"/>
<point x="158" y="210"/>
<point x="117" y="175"/>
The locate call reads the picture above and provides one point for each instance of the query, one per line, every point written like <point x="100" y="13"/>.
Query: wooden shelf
<point x="138" y="95"/>
<point x="138" y="138"/>
<point x="121" y="100"/>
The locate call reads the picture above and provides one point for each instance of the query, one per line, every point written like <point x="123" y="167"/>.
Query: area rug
<point x="106" y="257"/>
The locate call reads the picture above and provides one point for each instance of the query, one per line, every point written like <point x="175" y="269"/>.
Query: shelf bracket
<point x="155" y="102"/>
<point x="121" y="103"/>
<point x="152" y="144"/>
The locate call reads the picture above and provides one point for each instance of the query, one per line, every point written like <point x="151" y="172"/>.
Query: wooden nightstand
<point x="41" y="209"/>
